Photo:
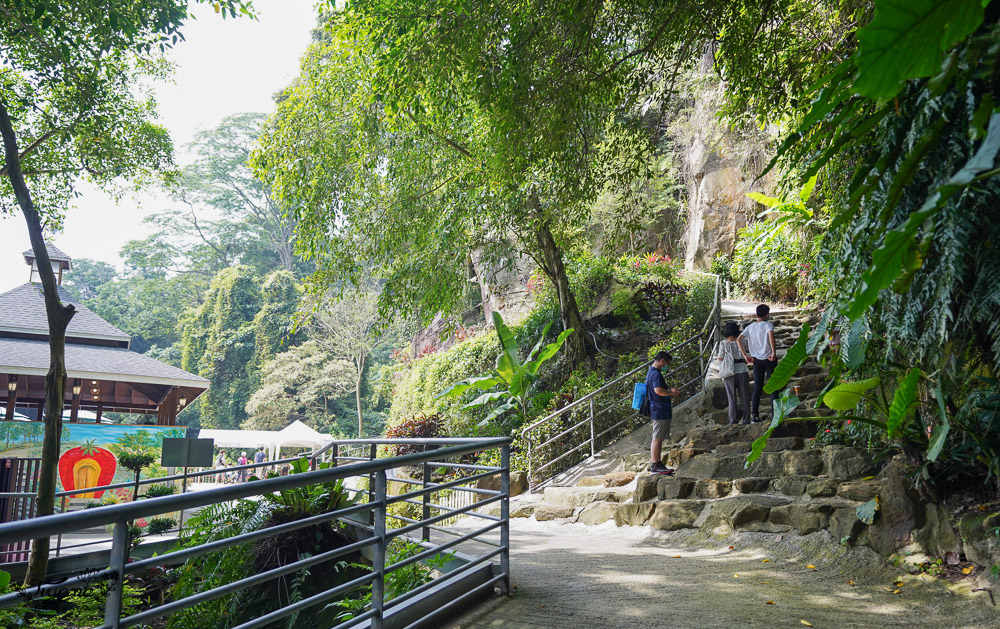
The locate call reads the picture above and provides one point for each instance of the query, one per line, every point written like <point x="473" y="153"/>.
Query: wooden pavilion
<point x="104" y="375"/>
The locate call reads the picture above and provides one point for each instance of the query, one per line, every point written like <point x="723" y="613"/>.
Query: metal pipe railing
<point x="120" y="515"/>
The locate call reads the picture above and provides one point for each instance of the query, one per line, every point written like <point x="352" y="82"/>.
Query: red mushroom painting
<point x="87" y="466"/>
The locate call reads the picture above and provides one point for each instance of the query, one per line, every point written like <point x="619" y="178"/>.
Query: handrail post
<point x="119" y="554"/>
<point x="426" y="511"/>
<point x="592" y="449"/>
<point x="531" y="481"/>
<point x="59" y="539"/>
<point x="372" y="454"/>
<point x="505" y="519"/>
<point x="334" y="454"/>
<point x="378" y="550"/>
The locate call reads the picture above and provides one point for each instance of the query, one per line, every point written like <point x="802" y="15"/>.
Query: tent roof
<point x="295" y="435"/>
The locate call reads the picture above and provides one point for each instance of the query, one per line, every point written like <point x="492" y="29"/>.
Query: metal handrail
<point x="710" y="327"/>
<point x="120" y="515"/>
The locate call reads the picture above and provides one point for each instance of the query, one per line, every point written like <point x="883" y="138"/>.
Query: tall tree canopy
<point x="69" y="109"/>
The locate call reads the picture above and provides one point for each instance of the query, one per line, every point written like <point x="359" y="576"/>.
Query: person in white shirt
<point x="763" y="355"/>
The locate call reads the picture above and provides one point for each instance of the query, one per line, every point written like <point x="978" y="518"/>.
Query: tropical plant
<point x="511" y="375"/>
<point x="160" y="490"/>
<point x="157" y="526"/>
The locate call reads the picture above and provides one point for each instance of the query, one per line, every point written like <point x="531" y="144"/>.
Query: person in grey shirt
<point x="763" y="355"/>
<point x="739" y="381"/>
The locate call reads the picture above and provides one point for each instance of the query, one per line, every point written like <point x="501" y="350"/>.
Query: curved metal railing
<point x="580" y="429"/>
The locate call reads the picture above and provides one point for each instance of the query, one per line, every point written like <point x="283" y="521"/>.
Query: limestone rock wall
<point x="720" y="165"/>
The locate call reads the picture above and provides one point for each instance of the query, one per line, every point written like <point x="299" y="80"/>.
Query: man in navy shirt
<point x="659" y="409"/>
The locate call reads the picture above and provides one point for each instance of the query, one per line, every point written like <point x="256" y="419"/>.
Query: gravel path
<point x="594" y="577"/>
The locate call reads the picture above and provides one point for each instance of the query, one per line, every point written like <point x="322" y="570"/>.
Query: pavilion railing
<point x="439" y="454"/>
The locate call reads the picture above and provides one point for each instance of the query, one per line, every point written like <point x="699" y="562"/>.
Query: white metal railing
<point x="424" y="603"/>
<point x="580" y="429"/>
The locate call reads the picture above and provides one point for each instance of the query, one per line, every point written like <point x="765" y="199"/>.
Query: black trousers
<point x="762" y="370"/>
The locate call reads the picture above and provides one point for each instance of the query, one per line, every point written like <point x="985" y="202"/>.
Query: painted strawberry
<point x="87" y="466"/>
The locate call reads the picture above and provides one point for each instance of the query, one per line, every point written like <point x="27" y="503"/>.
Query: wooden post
<point x="100" y="411"/>
<point x="11" y="398"/>
<point x="75" y="409"/>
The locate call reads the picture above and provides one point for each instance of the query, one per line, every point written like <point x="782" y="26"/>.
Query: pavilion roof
<point x="55" y="255"/>
<point x="98" y="362"/>
<point x="22" y="312"/>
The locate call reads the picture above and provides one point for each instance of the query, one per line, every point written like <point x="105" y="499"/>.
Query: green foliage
<point x="87" y="606"/>
<point x="767" y="261"/>
<point x="412" y="388"/>
<point x="298" y="384"/>
<point x="624" y="306"/>
<point x="866" y="512"/>
<point x="511" y="377"/>
<point x="158" y="526"/>
<point x="274" y="323"/>
<point x="135" y="460"/>
<point x="906" y="39"/>
<point x="159" y="490"/>
<point x="219" y="343"/>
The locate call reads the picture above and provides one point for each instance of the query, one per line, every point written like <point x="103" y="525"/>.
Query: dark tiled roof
<point x="93" y="361"/>
<point x="55" y="253"/>
<point x="23" y="309"/>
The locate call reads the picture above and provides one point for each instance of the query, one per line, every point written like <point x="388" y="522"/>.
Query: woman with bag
<point x="732" y="364"/>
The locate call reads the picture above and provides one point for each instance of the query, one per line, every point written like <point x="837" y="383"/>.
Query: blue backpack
<point x="640" y="401"/>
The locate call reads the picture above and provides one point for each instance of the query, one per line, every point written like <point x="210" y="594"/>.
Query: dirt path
<point x="594" y="577"/>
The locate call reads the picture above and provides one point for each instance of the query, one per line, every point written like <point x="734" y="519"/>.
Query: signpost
<point x="182" y="452"/>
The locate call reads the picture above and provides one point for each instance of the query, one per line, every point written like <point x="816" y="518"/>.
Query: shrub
<point x="159" y="490"/>
<point x="419" y="427"/>
<point x="623" y="305"/>
<point x="767" y="262"/>
<point x="158" y="526"/>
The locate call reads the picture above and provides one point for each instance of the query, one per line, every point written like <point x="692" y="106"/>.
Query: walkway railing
<point x="209" y="475"/>
<point x="580" y="429"/>
<point x="417" y="606"/>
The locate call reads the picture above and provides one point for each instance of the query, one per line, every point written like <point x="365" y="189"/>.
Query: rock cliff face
<point x="720" y="166"/>
<point x="717" y="204"/>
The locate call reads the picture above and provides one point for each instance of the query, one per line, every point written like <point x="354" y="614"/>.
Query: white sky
<point x="224" y="67"/>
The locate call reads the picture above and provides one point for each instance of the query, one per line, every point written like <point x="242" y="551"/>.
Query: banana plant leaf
<point x="846" y="396"/>
<point x="478" y="382"/>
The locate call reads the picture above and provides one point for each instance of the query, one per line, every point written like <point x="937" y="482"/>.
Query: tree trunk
<point x="569" y="311"/>
<point x="58" y="317"/>
<point x="357" y="392"/>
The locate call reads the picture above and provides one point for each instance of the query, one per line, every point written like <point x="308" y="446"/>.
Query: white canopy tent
<point x="295" y="435"/>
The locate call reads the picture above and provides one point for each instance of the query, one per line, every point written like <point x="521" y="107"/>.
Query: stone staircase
<point x="791" y="487"/>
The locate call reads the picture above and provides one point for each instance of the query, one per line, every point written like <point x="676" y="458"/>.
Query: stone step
<point x="573" y="497"/>
<point x="774" y="444"/>
<point x="838" y="462"/>
<point x="658" y="487"/>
